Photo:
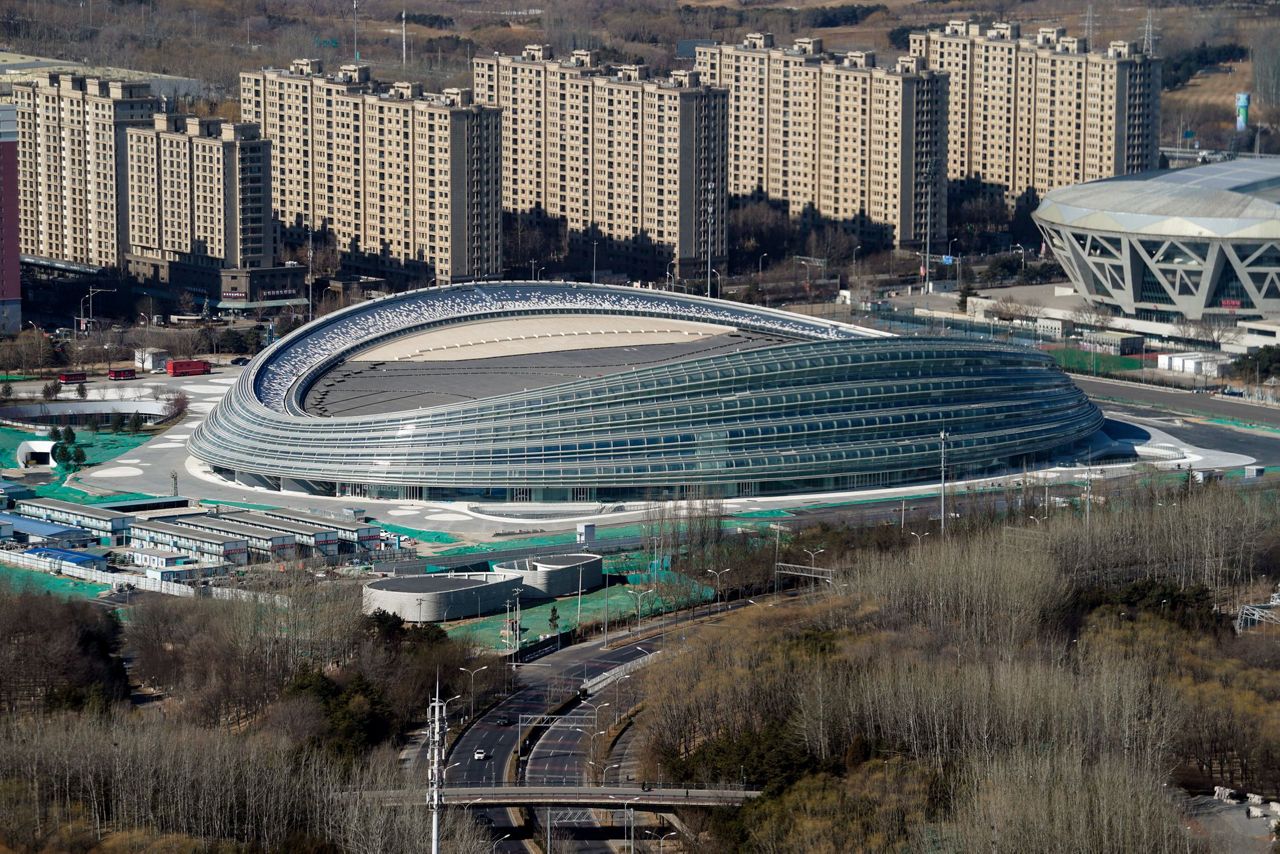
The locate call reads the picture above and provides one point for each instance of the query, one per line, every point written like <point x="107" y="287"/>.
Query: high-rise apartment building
<point x="407" y="183"/>
<point x="200" y="192"/>
<point x="199" y="211"/>
<point x="835" y="134"/>
<point x="1034" y="114"/>
<point x="633" y="165"/>
<point x="10" y="283"/>
<point x="71" y="165"/>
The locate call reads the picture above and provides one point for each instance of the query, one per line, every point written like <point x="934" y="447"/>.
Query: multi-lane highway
<point x="548" y="682"/>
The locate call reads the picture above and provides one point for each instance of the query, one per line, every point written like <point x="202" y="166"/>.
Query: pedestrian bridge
<point x="609" y="797"/>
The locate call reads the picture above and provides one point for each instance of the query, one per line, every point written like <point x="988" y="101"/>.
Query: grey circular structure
<point x="1199" y="243"/>
<point x="558" y="575"/>
<point x="557" y="392"/>
<point x="81" y="412"/>
<point x="439" y="597"/>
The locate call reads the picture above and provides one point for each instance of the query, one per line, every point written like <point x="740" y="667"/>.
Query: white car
<point x="481" y="754"/>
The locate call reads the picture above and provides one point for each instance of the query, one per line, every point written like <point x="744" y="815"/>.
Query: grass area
<point x="98" y="447"/>
<point x="34" y="581"/>
<point x="1247" y="425"/>
<point x="1085" y="361"/>
<point x="621" y="605"/>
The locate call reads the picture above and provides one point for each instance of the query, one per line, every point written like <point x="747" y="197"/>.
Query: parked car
<point x="240" y="360"/>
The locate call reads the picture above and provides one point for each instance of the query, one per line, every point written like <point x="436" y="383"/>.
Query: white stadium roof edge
<point x="1232" y="199"/>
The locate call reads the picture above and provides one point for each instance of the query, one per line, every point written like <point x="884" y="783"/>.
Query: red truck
<point x="187" y="367"/>
<point x="72" y="377"/>
<point x="122" y="374"/>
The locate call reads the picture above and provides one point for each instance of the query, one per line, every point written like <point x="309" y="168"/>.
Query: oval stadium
<point x="1200" y="243"/>
<point x="536" y="391"/>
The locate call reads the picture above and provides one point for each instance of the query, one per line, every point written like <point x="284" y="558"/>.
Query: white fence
<point x="138" y="582"/>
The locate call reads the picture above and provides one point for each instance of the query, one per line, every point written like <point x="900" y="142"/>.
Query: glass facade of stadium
<point x="832" y="408"/>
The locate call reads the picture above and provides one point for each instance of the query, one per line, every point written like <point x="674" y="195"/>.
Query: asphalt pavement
<point x="551" y="679"/>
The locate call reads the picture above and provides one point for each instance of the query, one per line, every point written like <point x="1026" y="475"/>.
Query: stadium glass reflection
<point x="825" y="407"/>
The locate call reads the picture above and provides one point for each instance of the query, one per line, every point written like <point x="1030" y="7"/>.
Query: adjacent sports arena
<point x="524" y="391"/>
<point x="1198" y="243"/>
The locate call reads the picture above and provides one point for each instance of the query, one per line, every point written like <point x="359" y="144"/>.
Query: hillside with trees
<point x="1027" y="684"/>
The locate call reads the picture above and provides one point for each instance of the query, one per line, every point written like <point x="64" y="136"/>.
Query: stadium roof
<point x="1234" y="198"/>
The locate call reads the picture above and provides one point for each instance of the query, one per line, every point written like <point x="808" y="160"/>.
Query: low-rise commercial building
<point x="206" y="545"/>
<point x="24" y="529"/>
<point x="1113" y="343"/>
<point x="110" y="525"/>
<point x="352" y="536"/>
<point x="312" y="539"/>
<point x="264" y="544"/>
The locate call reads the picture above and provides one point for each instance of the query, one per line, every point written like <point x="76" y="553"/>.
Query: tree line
<point x="258" y="726"/>
<point x="1024" y="685"/>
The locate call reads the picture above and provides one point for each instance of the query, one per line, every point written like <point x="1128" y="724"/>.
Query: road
<point x="1178" y="400"/>
<point x="552" y="678"/>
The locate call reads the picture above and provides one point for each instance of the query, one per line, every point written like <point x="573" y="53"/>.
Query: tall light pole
<point x="719" y="287"/>
<point x="663" y="838"/>
<point x="629" y="817"/>
<point x="594" y="247"/>
<point x="1022" y="251"/>
<point x="311" y="272"/>
<point x="472" y="674"/>
<point x="927" y="272"/>
<point x="717" y="573"/>
<point x="639" y="594"/>
<point x="671" y="280"/>
<point x="942" y="468"/>
<point x="813" y="556"/>
<point x="711" y="216"/>
<point x="760" y="264"/>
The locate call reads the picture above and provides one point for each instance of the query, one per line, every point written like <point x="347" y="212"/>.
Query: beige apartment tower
<point x="199" y="214"/>
<point x="407" y="183"/>
<point x="200" y="193"/>
<point x="633" y="165"/>
<point x="71" y="166"/>
<point x="1028" y="115"/>
<point x="835" y="134"/>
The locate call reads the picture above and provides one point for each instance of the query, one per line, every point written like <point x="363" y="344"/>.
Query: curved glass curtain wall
<point x="831" y="412"/>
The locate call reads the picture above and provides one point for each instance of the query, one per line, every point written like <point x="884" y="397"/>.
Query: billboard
<point x="1242" y="111"/>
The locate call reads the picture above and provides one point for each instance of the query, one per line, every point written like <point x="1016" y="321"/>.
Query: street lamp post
<point x="595" y="244"/>
<point x="942" y="467"/>
<point x="639" y="594"/>
<point x="920" y="538"/>
<point x="629" y="819"/>
<point x="719" y="287"/>
<point x="717" y="573"/>
<point x="710" y="219"/>
<point x="472" y="674"/>
<point x="663" y="838"/>
<point x="813" y="556"/>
